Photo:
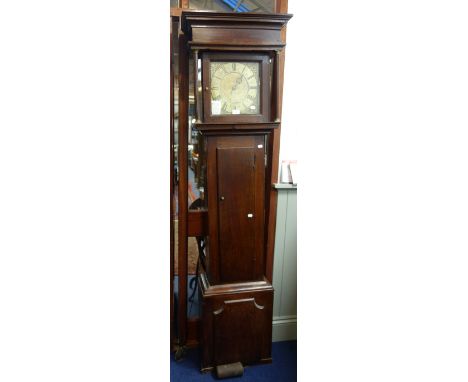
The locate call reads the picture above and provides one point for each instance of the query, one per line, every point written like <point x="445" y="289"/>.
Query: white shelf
<point x="285" y="186"/>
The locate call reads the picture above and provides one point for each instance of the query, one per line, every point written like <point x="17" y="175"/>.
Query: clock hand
<point x="238" y="82"/>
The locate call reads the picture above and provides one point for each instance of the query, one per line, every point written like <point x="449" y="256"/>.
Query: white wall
<point x="285" y="267"/>
<point x="291" y="90"/>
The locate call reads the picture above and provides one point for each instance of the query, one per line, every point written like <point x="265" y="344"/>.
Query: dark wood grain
<point x="241" y="164"/>
<point x="275" y="142"/>
<point x="276" y="81"/>
<point x="212" y="190"/>
<point x="236" y="244"/>
<point x="171" y="178"/>
<point x="243" y="36"/>
<point x="210" y="289"/>
<point x="183" y="189"/>
<point x="233" y="29"/>
<point x="235" y="333"/>
<point x="236" y="202"/>
<point x="193" y="332"/>
<point x="197" y="223"/>
<point x="237" y="48"/>
<point x="237" y="324"/>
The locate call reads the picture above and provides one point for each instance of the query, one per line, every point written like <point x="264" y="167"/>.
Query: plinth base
<point x="236" y="323"/>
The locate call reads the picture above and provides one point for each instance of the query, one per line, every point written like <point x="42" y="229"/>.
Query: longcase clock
<point x="237" y="109"/>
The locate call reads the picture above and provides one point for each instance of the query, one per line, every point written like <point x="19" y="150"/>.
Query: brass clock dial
<point x="235" y="87"/>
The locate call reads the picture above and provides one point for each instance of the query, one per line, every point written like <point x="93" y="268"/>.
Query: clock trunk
<point x="236" y="199"/>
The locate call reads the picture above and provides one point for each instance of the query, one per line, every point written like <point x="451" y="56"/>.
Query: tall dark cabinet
<point x="237" y="109"/>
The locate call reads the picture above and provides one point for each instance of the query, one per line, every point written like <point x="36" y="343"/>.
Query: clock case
<point x="235" y="282"/>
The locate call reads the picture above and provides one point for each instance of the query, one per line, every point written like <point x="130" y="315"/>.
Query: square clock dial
<point x="235" y="87"/>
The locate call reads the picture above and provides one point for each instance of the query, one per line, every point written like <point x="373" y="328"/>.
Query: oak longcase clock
<point x="236" y="69"/>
